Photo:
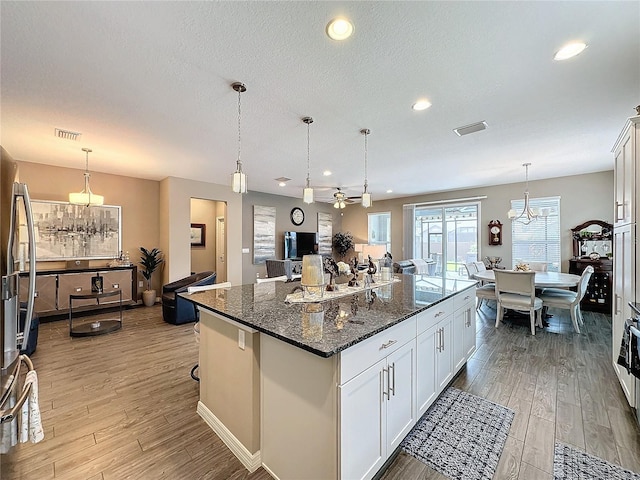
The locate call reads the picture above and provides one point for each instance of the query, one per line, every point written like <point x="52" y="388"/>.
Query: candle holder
<point x="312" y="280"/>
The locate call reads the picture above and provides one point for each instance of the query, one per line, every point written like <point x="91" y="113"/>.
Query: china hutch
<point x="593" y="245"/>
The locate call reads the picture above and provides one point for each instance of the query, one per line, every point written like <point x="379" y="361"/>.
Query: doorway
<point x="209" y="252"/>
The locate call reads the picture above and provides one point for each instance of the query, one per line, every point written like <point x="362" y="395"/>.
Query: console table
<point x="95" y="327"/>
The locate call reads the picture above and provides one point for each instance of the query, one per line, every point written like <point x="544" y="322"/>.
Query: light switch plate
<point x="241" y="339"/>
<point x="245" y="250"/>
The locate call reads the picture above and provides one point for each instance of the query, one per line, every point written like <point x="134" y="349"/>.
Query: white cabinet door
<point x="444" y="355"/>
<point x="470" y="331"/>
<point x="458" y="341"/>
<point x="624" y="290"/>
<point x="401" y="406"/>
<point x="362" y="423"/>
<point x="426" y="387"/>
<point x="624" y="176"/>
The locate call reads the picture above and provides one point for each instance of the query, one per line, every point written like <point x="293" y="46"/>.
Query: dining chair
<point x="483" y="292"/>
<point x="517" y="291"/>
<point x="567" y="299"/>
<point x="480" y="266"/>
<point x="538" y="266"/>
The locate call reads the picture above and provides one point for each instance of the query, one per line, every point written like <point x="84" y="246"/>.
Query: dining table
<point x="541" y="279"/>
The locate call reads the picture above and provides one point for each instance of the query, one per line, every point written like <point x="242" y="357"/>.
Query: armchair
<point x="177" y="310"/>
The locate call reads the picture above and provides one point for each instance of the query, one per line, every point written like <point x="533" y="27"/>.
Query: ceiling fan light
<point x="366" y="200"/>
<point x="307" y="195"/>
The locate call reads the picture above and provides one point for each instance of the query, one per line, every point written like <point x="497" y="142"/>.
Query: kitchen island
<point x="328" y="390"/>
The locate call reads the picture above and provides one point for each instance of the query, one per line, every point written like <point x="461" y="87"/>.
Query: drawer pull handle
<point x="36" y="295"/>
<point x="438" y="314"/>
<point x="78" y="289"/>
<point x="467" y="297"/>
<point x="116" y="285"/>
<point x="389" y="343"/>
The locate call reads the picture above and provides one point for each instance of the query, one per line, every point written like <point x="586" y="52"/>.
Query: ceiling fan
<point x="340" y="199"/>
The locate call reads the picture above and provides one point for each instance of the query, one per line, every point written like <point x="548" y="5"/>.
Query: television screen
<point x="297" y="244"/>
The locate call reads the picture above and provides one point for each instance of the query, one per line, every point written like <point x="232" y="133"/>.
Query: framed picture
<point x="264" y="233"/>
<point x="198" y="234"/>
<point x="76" y="232"/>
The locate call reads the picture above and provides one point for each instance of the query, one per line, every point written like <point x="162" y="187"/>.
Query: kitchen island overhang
<point x="275" y="392"/>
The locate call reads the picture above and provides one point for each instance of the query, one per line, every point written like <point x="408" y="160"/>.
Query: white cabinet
<point x="377" y="410"/>
<point x="464" y="329"/>
<point x="625" y="254"/>
<point x="624" y="260"/>
<point x="444" y="353"/>
<point x="626" y="156"/>
<point x="426" y="387"/>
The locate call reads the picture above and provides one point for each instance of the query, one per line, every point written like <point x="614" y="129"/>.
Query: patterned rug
<point x="460" y="436"/>
<point x="570" y="463"/>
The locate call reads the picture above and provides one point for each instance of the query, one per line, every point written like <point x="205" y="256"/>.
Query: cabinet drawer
<point x="461" y="300"/>
<point x="117" y="280"/>
<point x="74" y="284"/>
<point x="361" y="356"/>
<point x="433" y="315"/>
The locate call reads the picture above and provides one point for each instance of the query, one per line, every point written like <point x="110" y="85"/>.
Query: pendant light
<point x="528" y="214"/>
<point x="86" y="196"/>
<point x="239" y="179"/>
<point x="366" y="196"/>
<point x="307" y="193"/>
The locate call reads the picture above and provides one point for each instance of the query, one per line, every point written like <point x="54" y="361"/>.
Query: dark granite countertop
<point x="635" y="306"/>
<point x="262" y="307"/>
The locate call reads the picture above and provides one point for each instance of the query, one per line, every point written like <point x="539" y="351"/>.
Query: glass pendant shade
<point x="86" y="196"/>
<point x="239" y="182"/>
<point x="307" y="195"/>
<point x="366" y="200"/>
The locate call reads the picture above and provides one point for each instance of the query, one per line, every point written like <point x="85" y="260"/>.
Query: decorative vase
<point x="149" y="297"/>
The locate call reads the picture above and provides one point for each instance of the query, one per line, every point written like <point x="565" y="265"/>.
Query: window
<point x="380" y="229"/>
<point x="540" y="240"/>
<point x="448" y="235"/>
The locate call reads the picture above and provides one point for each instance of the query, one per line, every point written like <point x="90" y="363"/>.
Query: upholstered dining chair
<point x="538" y="266"/>
<point x="560" y="298"/>
<point x="483" y="292"/>
<point x="517" y="291"/>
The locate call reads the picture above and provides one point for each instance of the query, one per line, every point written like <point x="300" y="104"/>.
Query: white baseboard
<point x="268" y="470"/>
<point x="251" y="461"/>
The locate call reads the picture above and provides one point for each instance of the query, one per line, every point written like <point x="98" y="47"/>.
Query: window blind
<point x="540" y="240"/>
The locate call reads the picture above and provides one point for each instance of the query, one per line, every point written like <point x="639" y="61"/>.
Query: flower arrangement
<point x="343" y="268"/>
<point x="522" y="267"/>
<point x="343" y="242"/>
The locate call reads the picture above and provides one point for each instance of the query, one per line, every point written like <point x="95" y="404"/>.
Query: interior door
<point x="221" y="243"/>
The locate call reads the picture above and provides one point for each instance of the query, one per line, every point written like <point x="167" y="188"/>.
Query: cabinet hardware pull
<point x="467" y="297"/>
<point x="618" y="205"/>
<point x="442" y="339"/>
<point x="438" y="314"/>
<point x="389" y="343"/>
<point x="439" y="331"/>
<point x="384" y="390"/>
<point x="392" y="389"/>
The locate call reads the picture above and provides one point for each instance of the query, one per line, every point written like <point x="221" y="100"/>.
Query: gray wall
<point x="283" y="224"/>
<point x="583" y="197"/>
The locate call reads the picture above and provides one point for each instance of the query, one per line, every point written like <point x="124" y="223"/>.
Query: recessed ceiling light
<point x="570" y="50"/>
<point x="339" y="28"/>
<point x="326" y="173"/>
<point x="421" y="104"/>
<point x="389" y="191"/>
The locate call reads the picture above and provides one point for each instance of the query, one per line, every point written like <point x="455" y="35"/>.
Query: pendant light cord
<point x="239" y="162"/>
<point x="308" y="154"/>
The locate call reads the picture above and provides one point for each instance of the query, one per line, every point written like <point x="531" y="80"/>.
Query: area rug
<point x="460" y="436"/>
<point x="570" y="463"/>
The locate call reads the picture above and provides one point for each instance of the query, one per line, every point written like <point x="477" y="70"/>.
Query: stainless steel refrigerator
<point x="17" y="251"/>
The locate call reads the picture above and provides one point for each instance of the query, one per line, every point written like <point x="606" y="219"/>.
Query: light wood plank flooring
<point x="123" y="405"/>
<point x="561" y="386"/>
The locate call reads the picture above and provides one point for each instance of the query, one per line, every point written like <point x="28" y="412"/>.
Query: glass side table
<point x="96" y="327"/>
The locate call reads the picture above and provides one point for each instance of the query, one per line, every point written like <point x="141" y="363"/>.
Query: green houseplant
<point x="150" y="261"/>
<point x="343" y="242"/>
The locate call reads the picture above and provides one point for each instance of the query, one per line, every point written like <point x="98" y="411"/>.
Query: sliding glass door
<point x="448" y="235"/>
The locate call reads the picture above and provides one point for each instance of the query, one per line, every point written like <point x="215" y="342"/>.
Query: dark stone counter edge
<point x="322" y="353"/>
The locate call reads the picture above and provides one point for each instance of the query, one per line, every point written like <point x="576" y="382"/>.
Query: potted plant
<point x="150" y="261"/>
<point x="343" y="242"/>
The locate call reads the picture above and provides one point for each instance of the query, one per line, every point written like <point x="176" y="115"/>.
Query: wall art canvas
<point x="64" y="231"/>
<point x="198" y="234"/>
<point x="325" y="233"/>
<point x="264" y="233"/>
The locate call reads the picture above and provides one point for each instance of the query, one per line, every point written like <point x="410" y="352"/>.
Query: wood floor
<point x="123" y="405"/>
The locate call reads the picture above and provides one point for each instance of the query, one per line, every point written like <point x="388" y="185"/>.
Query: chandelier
<point x="86" y="196"/>
<point x="239" y="179"/>
<point x="528" y="213"/>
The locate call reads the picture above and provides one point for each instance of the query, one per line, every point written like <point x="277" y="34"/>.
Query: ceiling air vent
<point x="467" y="129"/>
<point x="67" y="134"/>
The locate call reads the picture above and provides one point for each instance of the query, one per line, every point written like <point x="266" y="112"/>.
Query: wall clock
<point x="495" y="232"/>
<point x="297" y="216"/>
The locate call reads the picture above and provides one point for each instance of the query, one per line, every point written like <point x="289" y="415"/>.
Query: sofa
<point x="177" y="310"/>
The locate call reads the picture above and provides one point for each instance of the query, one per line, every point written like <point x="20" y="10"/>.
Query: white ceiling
<point x="148" y="86"/>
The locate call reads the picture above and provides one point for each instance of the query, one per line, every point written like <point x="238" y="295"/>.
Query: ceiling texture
<point x="147" y="84"/>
